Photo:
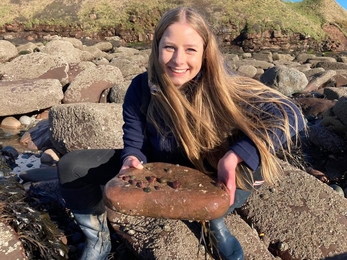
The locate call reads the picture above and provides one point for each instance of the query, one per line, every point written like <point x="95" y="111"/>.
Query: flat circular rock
<point x="163" y="190"/>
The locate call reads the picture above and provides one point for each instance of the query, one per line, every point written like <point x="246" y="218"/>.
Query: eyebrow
<point x="186" y="45"/>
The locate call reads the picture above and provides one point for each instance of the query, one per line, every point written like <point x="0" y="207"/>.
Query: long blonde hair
<point x="208" y="112"/>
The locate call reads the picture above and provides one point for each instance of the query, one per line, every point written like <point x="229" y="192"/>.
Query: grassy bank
<point x="253" y="16"/>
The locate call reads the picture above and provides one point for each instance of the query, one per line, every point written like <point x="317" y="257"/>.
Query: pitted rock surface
<point x="164" y="190"/>
<point x="86" y="126"/>
<point x="302" y="212"/>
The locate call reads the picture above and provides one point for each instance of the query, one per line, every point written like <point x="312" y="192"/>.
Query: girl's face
<point x="180" y="53"/>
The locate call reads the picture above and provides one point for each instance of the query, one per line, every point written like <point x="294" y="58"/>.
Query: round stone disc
<point x="163" y="190"/>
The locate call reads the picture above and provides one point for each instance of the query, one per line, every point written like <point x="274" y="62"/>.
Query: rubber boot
<point x="228" y="246"/>
<point x="94" y="226"/>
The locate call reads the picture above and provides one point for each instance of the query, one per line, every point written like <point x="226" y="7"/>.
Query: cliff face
<point x="253" y="25"/>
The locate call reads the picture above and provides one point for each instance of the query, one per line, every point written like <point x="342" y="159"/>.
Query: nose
<point x="178" y="57"/>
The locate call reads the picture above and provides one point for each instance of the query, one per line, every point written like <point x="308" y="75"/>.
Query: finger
<point x="138" y="165"/>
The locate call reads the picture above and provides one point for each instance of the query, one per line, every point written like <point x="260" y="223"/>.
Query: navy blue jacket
<point x="142" y="140"/>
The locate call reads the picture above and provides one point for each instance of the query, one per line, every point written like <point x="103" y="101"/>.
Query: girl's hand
<point x="227" y="172"/>
<point x="131" y="162"/>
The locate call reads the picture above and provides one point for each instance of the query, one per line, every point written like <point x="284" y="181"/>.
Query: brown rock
<point x="162" y="190"/>
<point x="315" y="106"/>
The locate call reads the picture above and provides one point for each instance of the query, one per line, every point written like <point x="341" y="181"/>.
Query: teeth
<point x="178" y="71"/>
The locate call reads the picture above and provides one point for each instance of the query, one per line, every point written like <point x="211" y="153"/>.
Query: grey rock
<point x="32" y="95"/>
<point x="282" y="57"/>
<point x="302" y="211"/>
<point x="248" y="70"/>
<point x="118" y="91"/>
<point x="315" y="60"/>
<point x="331" y="65"/>
<point x="263" y="56"/>
<point x="319" y="79"/>
<point x="303" y="57"/>
<point x="340" y="109"/>
<point x="327" y="140"/>
<point x="36" y="65"/>
<point x="7" y="51"/>
<point x="312" y="72"/>
<point x="256" y="63"/>
<point x="94" y="51"/>
<point x="26" y="48"/>
<point x="286" y="80"/>
<point x="128" y="67"/>
<point x="64" y="49"/>
<point x="86" y="126"/>
<point x="104" y="46"/>
<point x="75" y="42"/>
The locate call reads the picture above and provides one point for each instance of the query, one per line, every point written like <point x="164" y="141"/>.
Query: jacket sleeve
<point x="245" y="147"/>
<point x="134" y="121"/>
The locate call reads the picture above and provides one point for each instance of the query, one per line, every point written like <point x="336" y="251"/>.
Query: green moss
<point x="6" y="14"/>
<point x="251" y="16"/>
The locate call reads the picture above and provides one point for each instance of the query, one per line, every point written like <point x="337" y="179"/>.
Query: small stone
<point x="338" y="189"/>
<point x="10" y="122"/>
<point x="166" y="228"/>
<point x="25" y="120"/>
<point x="282" y="246"/>
<point x="162" y="180"/>
<point x="175" y="184"/>
<point x="168" y="170"/>
<point x="131" y="232"/>
<point x="10" y="151"/>
<point x="147" y="189"/>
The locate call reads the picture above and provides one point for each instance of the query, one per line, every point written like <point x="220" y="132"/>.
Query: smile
<point x="178" y="70"/>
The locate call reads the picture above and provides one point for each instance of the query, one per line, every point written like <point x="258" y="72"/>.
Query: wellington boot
<point x="227" y="245"/>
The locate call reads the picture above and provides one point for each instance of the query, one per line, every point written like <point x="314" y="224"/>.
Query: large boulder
<point x="7" y="51"/>
<point x="29" y="95"/>
<point x="286" y="80"/>
<point x="36" y="65"/>
<point x="86" y="126"/>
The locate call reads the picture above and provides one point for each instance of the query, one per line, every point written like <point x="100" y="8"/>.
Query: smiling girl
<point x="188" y="110"/>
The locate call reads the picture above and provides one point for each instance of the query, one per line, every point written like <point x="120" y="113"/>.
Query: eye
<point x="191" y="50"/>
<point x="169" y="48"/>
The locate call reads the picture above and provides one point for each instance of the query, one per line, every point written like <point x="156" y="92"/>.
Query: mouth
<point x="179" y="71"/>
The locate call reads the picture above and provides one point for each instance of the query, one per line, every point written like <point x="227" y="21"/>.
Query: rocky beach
<point x="62" y="92"/>
<point x="60" y="95"/>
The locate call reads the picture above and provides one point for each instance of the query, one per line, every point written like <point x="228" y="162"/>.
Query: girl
<point x="188" y="110"/>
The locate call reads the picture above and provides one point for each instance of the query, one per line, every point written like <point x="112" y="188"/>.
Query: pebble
<point x="338" y="189"/>
<point x="10" y="122"/>
<point x="26" y="120"/>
